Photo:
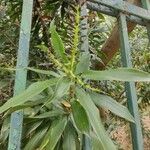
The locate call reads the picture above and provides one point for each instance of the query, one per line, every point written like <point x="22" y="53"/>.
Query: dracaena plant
<point x="66" y="105"/>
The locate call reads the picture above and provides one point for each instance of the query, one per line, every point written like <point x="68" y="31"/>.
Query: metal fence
<point x="124" y="12"/>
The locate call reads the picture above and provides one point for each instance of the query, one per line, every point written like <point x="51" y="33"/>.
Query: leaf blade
<point x="109" y="103"/>
<point x="34" y="141"/>
<point x="45" y="72"/>
<point x="69" y="137"/>
<point x="94" y="119"/>
<point x="80" y="117"/>
<point x="121" y="74"/>
<point x="29" y="93"/>
<point x="57" y="43"/>
<point x="54" y="133"/>
<point x="84" y="63"/>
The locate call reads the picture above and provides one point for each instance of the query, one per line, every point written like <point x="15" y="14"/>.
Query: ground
<point x="122" y="136"/>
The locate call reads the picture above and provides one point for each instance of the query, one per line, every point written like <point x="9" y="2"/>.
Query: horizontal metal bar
<point x="146" y="5"/>
<point x="125" y="7"/>
<point x="102" y="9"/>
<point x="111" y="12"/>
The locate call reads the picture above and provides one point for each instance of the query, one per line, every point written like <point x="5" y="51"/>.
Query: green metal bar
<point x="146" y="5"/>
<point x="20" y="79"/>
<point x="137" y="139"/>
<point x="125" y="7"/>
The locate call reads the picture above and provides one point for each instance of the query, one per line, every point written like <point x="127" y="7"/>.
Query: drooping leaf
<point x="36" y="139"/>
<point x="94" y="118"/>
<point x="45" y="72"/>
<point x="54" y="133"/>
<point x="96" y="145"/>
<point x="109" y="103"/>
<point x="62" y="88"/>
<point x="57" y="43"/>
<point x="49" y="114"/>
<point x="84" y="63"/>
<point x="121" y="74"/>
<point x="28" y="94"/>
<point x="69" y="140"/>
<point x="80" y="117"/>
<point x="4" y="132"/>
<point x="34" y="101"/>
<point x="33" y="127"/>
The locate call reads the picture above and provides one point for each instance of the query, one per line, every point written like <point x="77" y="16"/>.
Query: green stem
<point x="76" y="39"/>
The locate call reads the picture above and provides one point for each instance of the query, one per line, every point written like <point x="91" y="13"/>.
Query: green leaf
<point x="4" y="132"/>
<point x="49" y="114"/>
<point x="94" y="118"/>
<point x="69" y="140"/>
<point x="121" y="74"/>
<point x="80" y="117"/>
<point x="57" y="43"/>
<point x="96" y="145"/>
<point x="36" y="100"/>
<point x="107" y="102"/>
<point x="33" y="127"/>
<point x="62" y="88"/>
<point x="43" y="48"/>
<point x="54" y="133"/>
<point x="45" y="72"/>
<point x="36" y="139"/>
<point x="84" y="63"/>
<point x="28" y="94"/>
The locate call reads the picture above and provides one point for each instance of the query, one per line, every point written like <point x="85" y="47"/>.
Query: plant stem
<point x="76" y="39"/>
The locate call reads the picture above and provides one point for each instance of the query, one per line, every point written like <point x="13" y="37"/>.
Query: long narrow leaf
<point x="29" y="93"/>
<point x="80" y="117"/>
<point x="122" y="74"/>
<point x="33" y="127"/>
<point x="94" y="118"/>
<point x="45" y="72"/>
<point x="57" y="43"/>
<point x="84" y="63"/>
<point x="109" y="103"/>
<point x="49" y="114"/>
<point x="62" y="88"/>
<point x="96" y="145"/>
<point x="53" y="135"/>
<point x="35" y="140"/>
<point x="69" y="138"/>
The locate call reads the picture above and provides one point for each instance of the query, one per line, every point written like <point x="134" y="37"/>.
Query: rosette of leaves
<point x="66" y="105"/>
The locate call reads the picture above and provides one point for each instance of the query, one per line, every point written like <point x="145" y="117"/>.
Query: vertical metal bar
<point x="84" y="49"/>
<point x="137" y="139"/>
<point x="21" y="74"/>
<point x="84" y="28"/>
<point x="146" y="5"/>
